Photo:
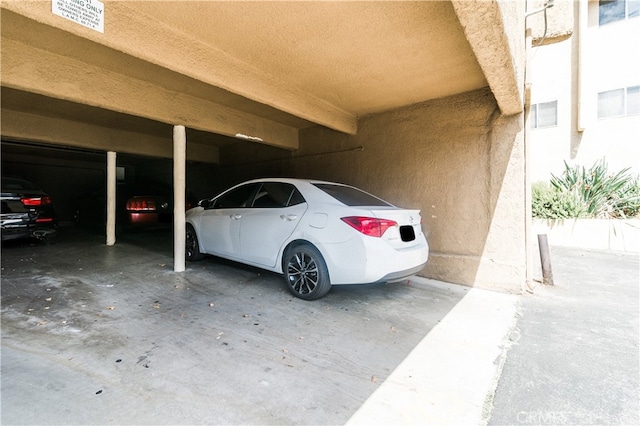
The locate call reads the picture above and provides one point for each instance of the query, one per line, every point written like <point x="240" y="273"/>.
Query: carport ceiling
<point x="292" y="63"/>
<point x="361" y="57"/>
<point x="37" y="104"/>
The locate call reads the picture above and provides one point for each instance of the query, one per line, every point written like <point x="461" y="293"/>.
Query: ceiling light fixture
<point x="248" y="138"/>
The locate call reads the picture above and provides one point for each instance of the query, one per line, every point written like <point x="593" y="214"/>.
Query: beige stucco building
<point x="421" y="103"/>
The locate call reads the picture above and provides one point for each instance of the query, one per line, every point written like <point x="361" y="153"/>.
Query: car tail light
<point x="141" y="204"/>
<point x="371" y="226"/>
<point x="36" y="201"/>
<point x="44" y="219"/>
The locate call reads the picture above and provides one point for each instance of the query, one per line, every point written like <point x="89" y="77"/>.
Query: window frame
<point x="535" y="115"/>
<point x="627" y="13"/>
<point x="625" y="110"/>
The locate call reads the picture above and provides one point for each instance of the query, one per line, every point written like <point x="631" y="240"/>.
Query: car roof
<point x="307" y="186"/>
<point x="15" y="183"/>
<point x="293" y="181"/>
<point x="311" y="192"/>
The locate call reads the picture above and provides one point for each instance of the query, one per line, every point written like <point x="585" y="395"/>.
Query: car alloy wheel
<point x="192" y="248"/>
<point x="306" y="272"/>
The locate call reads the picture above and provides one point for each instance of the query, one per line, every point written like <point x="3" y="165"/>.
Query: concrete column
<point x="179" y="187"/>
<point x="111" y="198"/>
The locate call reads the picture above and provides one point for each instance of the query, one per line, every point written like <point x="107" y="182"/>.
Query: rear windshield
<point x="13" y="184"/>
<point x="351" y="196"/>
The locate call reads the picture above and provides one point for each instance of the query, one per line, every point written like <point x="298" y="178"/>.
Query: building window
<point x="617" y="10"/>
<point x="544" y="114"/>
<point x="633" y="100"/>
<point x="619" y="102"/>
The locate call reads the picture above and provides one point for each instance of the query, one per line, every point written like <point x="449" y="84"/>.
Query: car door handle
<point x="236" y="216"/>
<point x="289" y="217"/>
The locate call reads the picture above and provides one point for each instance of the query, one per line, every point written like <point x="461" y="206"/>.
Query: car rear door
<point x="275" y="213"/>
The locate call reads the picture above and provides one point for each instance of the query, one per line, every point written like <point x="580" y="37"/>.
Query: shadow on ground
<point x="111" y="335"/>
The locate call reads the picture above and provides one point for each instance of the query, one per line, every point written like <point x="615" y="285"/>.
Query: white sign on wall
<point x="89" y="13"/>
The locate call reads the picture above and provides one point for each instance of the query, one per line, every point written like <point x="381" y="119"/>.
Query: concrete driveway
<point x="111" y="335"/>
<point x="576" y="353"/>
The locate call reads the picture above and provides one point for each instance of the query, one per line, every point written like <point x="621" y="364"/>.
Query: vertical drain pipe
<point x="583" y="84"/>
<point x="179" y="188"/>
<point x="528" y="221"/>
<point x="527" y="152"/>
<point x="111" y="198"/>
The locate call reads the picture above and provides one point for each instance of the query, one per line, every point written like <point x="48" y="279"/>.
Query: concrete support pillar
<point x="111" y="198"/>
<point x="179" y="188"/>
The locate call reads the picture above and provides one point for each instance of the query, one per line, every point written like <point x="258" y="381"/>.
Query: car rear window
<point x="12" y="184"/>
<point x="351" y="196"/>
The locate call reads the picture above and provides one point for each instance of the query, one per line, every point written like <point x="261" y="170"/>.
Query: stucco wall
<point x="457" y="160"/>
<point x="559" y="23"/>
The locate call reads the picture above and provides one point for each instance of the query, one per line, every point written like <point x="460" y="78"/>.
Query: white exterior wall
<point x="550" y="69"/>
<point x="611" y="61"/>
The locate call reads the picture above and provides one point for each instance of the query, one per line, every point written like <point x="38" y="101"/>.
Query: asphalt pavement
<point x="574" y="358"/>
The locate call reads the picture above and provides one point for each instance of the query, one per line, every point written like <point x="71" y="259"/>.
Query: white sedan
<point x="315" y="233"/>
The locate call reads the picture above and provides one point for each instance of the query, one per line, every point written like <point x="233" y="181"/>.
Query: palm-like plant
<point x="603" y="195"/>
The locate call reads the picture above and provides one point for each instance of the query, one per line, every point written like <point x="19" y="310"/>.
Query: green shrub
<point x="593" y="193"/>
<point x="630" y="193"/>
<point x="550" y="203"/>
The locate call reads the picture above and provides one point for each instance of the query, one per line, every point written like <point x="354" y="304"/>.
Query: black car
<point x="27" y="211"/>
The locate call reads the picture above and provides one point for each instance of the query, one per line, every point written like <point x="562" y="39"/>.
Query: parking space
<point x="111" y="335"/>
<point x="76" y="182"/>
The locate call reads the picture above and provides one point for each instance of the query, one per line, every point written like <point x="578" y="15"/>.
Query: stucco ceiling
<point x="362" y="57"/>
<point x="295" y="64"/>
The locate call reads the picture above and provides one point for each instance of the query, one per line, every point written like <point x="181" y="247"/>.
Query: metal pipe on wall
<point x="582" y="66"/>
<point x="179" y="188"/>
<point x="528" y="224"/>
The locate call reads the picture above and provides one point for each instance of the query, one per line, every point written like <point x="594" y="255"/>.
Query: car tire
<point x="192" y="247"/>
<point x="305" y="272"/>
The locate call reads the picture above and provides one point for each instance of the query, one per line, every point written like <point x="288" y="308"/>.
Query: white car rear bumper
<point x="355" y="262"/>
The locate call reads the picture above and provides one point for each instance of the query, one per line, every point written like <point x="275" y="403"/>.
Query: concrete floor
<point x="111" y="335"/>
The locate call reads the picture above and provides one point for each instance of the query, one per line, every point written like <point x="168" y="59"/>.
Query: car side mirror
<point x="205" y="203"/>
